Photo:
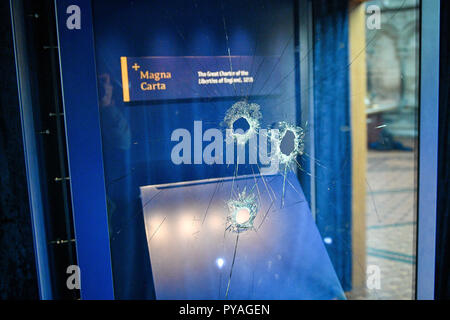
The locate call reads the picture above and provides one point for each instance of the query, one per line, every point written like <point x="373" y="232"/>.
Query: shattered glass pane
<point x="242" y="211"/>
<point x="243" y="110"/>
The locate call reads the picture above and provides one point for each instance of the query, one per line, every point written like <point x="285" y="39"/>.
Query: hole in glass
<point x="287" y="145"/>
<point x="242" y="124"/>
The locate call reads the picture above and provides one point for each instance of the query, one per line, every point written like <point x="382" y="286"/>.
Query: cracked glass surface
<point x="236" y="230"/>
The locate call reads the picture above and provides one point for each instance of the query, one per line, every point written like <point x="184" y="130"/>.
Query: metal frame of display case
<point x="428" y="149"/>
<point x="82" y="119"/>
<point x="80" y="98"/>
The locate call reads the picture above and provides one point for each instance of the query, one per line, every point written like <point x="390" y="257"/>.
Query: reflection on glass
<point x="392" y="104"/>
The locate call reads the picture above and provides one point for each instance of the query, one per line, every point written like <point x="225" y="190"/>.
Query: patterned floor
<point x="391" y="224"/>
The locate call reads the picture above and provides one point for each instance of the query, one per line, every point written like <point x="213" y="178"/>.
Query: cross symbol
<point x="136" y="67"/>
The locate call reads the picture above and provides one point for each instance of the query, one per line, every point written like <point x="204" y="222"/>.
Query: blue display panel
<point x="139" y="137"/>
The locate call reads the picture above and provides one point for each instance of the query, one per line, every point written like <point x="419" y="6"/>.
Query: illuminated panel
<point x="159" y="78"/>
<point x="194" y="255"/>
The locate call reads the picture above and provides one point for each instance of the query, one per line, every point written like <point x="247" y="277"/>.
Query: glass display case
<point x="244" y="149"/>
